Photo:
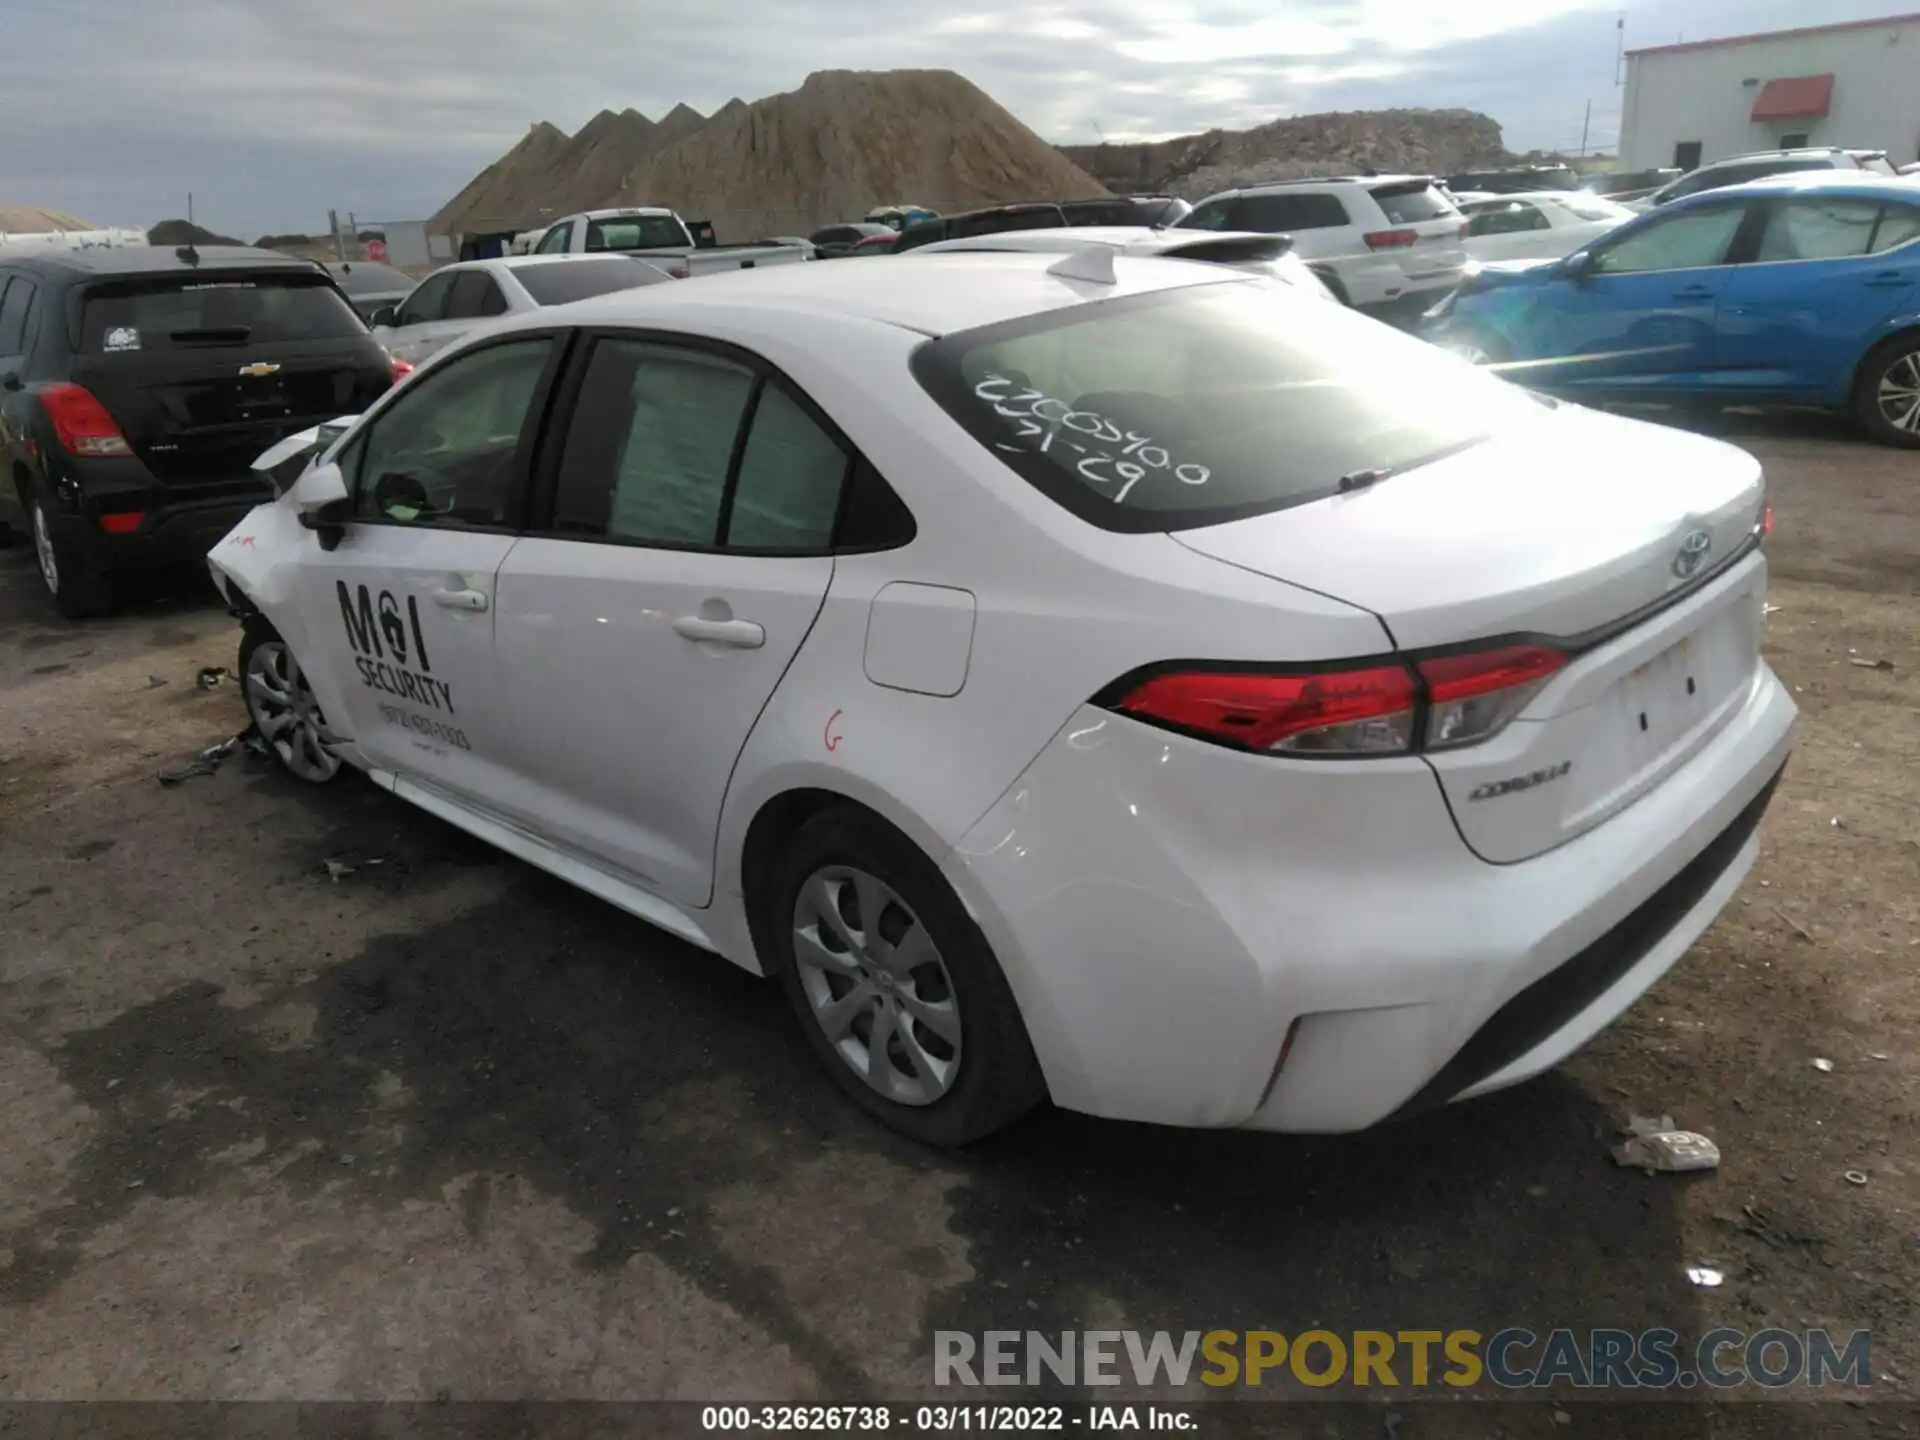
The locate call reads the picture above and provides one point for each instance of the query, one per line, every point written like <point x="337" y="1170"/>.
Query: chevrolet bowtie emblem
<point x="260" y="367"/>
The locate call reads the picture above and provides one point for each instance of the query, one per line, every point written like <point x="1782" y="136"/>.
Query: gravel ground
<point x="443" y="1128"/>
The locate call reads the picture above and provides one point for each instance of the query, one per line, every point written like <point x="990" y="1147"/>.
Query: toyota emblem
<point x="1693" y="551"/>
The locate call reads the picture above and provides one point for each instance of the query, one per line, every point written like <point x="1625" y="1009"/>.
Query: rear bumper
<point x="1168" y="912"/>
<point x="1405" y="310"/>
<point x="171" y="531"/>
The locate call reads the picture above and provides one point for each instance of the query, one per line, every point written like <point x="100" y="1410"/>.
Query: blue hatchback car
<point x="1795" y="290"/>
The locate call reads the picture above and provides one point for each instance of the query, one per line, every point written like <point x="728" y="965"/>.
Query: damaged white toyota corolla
<point x="1110" y="679"/>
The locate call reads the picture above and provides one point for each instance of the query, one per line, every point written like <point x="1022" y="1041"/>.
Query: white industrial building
<point x="1855" y="84"/>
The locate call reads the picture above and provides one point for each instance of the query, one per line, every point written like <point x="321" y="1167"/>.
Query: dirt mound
<point x="504" y="196"/>
<point x="32" y="220"/>
<point x="1423" y="142"/>
<point x="595" y="162"/>
<point x="680" y="122"/>
<point x="846" y="141"/>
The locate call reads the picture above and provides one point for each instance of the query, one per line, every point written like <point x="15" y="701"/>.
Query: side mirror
<point x="321" y="497"/>
<point x="1577" y="266"/>
<point x="386" y="315"/>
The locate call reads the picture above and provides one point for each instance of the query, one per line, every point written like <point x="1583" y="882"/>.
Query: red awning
<point x="1799" y="97"/>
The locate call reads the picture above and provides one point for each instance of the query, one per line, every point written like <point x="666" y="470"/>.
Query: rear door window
<point x="475" y="296"/>
<point x="1274" y="213"/>
<point x="1211" y="216"/>
<point x="178" y="312"/>
<point x="1506" y="217"/>
<point x="555" y="241"/>
<point x="1410" y="204"/>
<point x="1899" y="225"/>
<point x="1207" y="403"/>
<point x="651" y="441"/>
<point x="1831" y="228"/>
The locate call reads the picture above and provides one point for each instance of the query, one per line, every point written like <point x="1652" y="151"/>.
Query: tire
<point x="976" y="1073"/>
<point x="282" y="707"/>
<point x="1886" y="392"/>
<point x="78" y="590"/>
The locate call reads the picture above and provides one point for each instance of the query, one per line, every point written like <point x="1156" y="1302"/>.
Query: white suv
<point x="1386" y="244"/>
<point x="1738" y="169"/>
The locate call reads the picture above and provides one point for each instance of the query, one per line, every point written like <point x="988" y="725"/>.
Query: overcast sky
<point x="271" y="111"/>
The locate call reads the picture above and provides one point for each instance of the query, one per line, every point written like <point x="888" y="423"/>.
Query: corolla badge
<point x="1693" y="553"/>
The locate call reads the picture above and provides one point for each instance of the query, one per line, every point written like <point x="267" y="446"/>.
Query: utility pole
<point x="1584" y="126"/>
<point x="339" y="247"/>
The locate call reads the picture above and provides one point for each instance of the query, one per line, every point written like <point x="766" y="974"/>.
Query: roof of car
<point x="1321" y="180"/>
<point x="1057" y="239"/>
<point x="963" y="291"/>
<point x="160" y="260"/>
<point x="1836" y="182"/>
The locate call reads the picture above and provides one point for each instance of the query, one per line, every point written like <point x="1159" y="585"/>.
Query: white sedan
<point x="1540" y="225"/>
<point x="1115" y="680"/>
<point x="460" y="298"/>
<point x="1250" y="251"/>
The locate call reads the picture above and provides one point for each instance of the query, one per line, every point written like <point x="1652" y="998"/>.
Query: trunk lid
<point x="203" y="372"/>
<point x="1421" y="209"/>
<point x="1585" y="532"/>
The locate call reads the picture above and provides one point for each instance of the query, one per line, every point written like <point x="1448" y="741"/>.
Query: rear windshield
<point x="1208" y="403"/>
<point x="194" y="311"/>
<point x="1406" y="204"/>
<point x="566" y="280"/>
<point x="636" y="232"/>
<point x="1877" y="162"/>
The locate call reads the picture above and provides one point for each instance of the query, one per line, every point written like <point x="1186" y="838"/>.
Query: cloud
<point x="273" y="111"/>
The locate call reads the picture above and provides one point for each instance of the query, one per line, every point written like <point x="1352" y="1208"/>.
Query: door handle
<point x="1890" y="280"/>
<point x="1693" y="292"/>
<point x="741" y="634"/>
<point x="460" y="599"/>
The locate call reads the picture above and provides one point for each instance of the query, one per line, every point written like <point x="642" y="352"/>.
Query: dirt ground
<point x="443" y="1128"/>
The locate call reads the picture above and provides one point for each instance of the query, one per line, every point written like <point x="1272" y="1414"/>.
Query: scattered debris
<point x="154" y="682"/>
<point x="206" y="763"/>
<point x="210" y="676"/>
<point x="1855" y="1177"/>
<point x="233" y="1347"/>
<point x="337" y="868"/>
<point x="1561" y="1417"/>
<point x="256" y="744"/>
<point x="1865" y="664"/>
<point x="1798" y="928"/>
<point x="1838" y="823"/>
<point x="1771" y="609"/>
<point x="1653" y="1145"/>
<point x="1823" y="1065"/>
<point x="1877" y="1055"/>
<point x="672" y="1211"/>
<point x="113" y="1084"/>
<point x="1705" y="1276"/>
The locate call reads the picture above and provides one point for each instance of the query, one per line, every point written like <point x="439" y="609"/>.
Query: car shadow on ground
<point x="548" y="1038"/>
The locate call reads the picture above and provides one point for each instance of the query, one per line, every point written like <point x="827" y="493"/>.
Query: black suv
<point x="139" y="384"/>
<point x="1155" y="210"/>
<point x="1514" y="180"/>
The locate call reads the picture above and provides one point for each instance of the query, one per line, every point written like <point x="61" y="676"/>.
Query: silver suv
<point x="1385" y="244"/>
<point x="1738" y="169"/>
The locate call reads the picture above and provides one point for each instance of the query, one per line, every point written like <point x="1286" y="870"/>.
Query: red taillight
<point x="1392" y="239"/>
<point x="1371" y="711"/>
<point x="1472" y="697"/>
<point x="401" y="368"/>
<point x="1766" y="521"/>
<point x="81" y="422"/>
<point x="124" y="522"/>
<point x="1353" y="712"/>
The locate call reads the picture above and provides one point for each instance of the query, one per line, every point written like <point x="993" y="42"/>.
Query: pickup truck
<point x="680" y="248"/>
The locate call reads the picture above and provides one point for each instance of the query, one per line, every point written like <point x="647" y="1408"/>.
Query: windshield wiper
<point x="213" y="335"/>
<point x="1360" y="480"/>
